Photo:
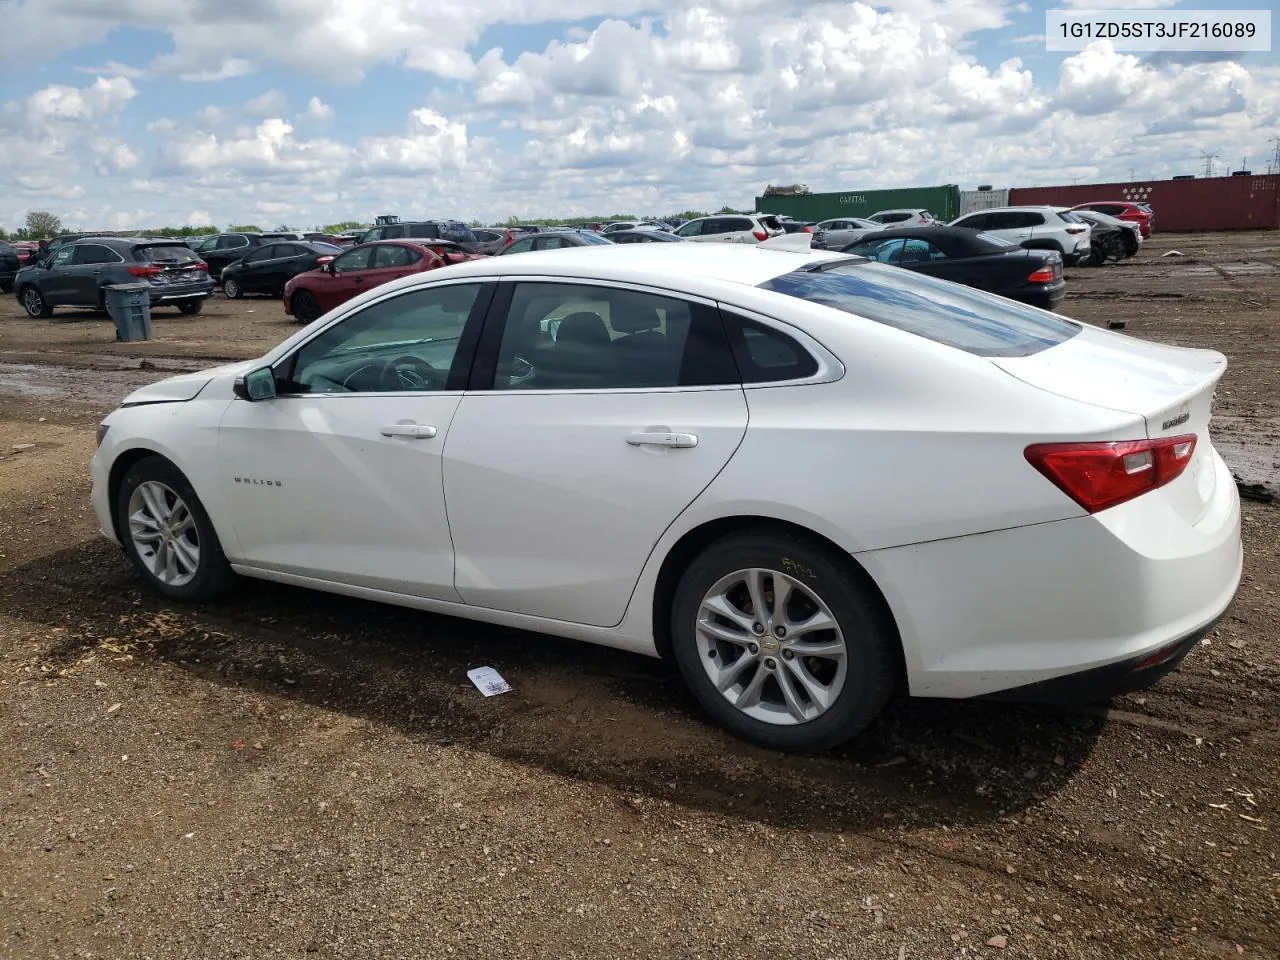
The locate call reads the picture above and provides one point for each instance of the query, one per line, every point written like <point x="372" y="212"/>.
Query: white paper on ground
<point x="488" y="681"/>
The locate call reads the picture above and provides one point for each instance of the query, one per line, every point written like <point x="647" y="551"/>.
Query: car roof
<point x="733" y="263"/>
<point x="1021" y="208"/>
<point x="902" y="210"/>
<point x="952" y="240"/>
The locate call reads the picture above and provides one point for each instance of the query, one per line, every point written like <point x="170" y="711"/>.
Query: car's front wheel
<point x="231" y="287"/>
<point x="781" y="642"/>
<point x="304" y="306"/>
<point x="167" y="533"/>
<point x="34" y="303"/>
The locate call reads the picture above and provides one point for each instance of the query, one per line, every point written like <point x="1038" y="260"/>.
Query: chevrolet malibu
<point x="809" y="479"/>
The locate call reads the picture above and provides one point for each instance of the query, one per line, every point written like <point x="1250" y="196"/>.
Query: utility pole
<point x="1274" y="165"/>
<point x="1133" y="174"/>
<point x="1208" y="159"/>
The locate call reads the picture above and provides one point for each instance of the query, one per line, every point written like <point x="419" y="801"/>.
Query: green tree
<point x="340" y="227"/>
<point x="42" y="225"/>
<point x="244" y="228"/>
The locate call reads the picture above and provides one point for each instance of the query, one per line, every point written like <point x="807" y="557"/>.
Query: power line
<point x="1274" y="165"/>
<point x="1208" y="159"/>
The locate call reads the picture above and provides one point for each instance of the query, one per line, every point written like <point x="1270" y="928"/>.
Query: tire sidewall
<point x="870" y="675"/>
<point x="231" y="287"/>
<point x="213" y="574"/>
<point x="43" y="309"/>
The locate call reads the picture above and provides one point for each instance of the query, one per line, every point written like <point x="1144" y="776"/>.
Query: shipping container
<point x="943" y="202"/>
<point x="971" y="200"/>
<point x="1208" y="203"/>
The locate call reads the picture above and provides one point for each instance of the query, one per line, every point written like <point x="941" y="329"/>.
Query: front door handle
<point x="414" y="431"/>
<point x="663" y="439"/>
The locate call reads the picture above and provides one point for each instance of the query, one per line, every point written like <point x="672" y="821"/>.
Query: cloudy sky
<point x="130" y="113"/>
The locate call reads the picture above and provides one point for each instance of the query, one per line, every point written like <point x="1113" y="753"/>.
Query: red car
<point x="310" y="295"/>
<point x="1123" y="210"/>
<point x="27" y="251"/>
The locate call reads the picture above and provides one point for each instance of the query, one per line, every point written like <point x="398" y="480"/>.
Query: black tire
<point x="231" y="288"/>
<point x="213" y="575"/>
<point x="304" y="306"/>
<point x="34" y="303"/>
<point x="190" y="307"/>
<point x="870" y="638"/>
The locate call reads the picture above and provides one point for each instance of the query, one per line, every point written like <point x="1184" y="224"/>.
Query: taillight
<point x="1102" y="475"/>
<point x="807" y="229"/>
<point x="760" y="235"/>
<point x="1077" y="228"/>
<point x="149" y="270"/>
<point x="1043" y="275"/>
<point x="199" y="265"/>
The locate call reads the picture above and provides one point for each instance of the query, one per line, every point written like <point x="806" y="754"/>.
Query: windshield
<point x="947" y="313"/>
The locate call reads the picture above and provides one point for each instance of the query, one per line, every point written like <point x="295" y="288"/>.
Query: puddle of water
<point x="99" y="388"/>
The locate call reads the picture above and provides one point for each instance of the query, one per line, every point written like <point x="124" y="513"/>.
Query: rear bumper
<point x="189" y="292"/>
<point x="1066" y="604"/>
<point x="1045" y="297"/>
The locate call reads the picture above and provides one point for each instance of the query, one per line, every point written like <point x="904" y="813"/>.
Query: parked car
<point x="839" y="232"/>
<point x="910" y="217"/>
<point x="223" y="249"/>
<point x="1123" y="210"/>
<point x="970" y="258"/>
<point x="554" y="240"/>
<point x="617" y="225"/>
<point x="732" y="228"/>
<point x="790" y="225"/>
<point x="10" y="263"/>
<point x="1036" y="228"/>
<point x="1109" y="238"/>
<point x="981" y="513"/>
<point x="645" y="236"/>
<point x="78" y="273"/>
<point x="27" y="251"/>
<point x="269" y="267"/>
<point x="453" y="230"/>
<point x="337" y="240"/>
<point x="309" y="295"/>
<point x="491" y="240"/>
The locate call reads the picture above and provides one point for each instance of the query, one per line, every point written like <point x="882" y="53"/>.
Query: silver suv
<point x="1035" y="228"/>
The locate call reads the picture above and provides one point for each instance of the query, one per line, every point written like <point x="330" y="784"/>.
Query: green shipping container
<point x="943" y="202"/>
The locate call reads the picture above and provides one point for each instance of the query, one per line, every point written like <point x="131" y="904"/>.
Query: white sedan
<point x="809" y="479"/>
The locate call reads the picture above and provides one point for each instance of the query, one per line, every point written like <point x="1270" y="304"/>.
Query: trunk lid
<point x="1171" y="388"/>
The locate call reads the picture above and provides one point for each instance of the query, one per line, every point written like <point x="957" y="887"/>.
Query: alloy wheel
<point x="231" y="289"/>
<point x="32" y="301"/>
<point x="164" y="533"/>
<point x="771" y="646"/>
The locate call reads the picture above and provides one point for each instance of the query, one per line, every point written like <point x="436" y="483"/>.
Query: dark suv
<point x="8" y="266"/>
<point x="78" y="273"/>
<point x="454" y="230"/>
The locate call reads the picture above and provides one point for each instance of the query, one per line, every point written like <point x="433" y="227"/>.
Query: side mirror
<point x="323" y="263"/>
<point x="256" y="385"/>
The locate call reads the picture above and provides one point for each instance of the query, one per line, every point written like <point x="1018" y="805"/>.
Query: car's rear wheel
<point x="780" y="642"/>
<point x="34" y="303"/>
<point x="167" y="534"/>
<point x="231" y="287"/>
<point x="191" y="307"/>
<point x="305" y="308"/>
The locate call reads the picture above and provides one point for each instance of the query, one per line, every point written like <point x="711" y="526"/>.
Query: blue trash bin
<point x="129" y="305"/>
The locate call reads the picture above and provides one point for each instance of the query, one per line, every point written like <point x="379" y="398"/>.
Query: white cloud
<point x="212" y="116"/>
<point x="272" y="103"/>
<point x="199" y="218"/>
<point x="113" y="68"/>
<point x="317" y="109"/>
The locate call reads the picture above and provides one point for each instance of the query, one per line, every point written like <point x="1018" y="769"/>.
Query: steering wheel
<point x="411" y="373"/>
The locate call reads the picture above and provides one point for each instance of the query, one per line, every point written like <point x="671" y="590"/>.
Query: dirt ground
<point x="296" y="775"/>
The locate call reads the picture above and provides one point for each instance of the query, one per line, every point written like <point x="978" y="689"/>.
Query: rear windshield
<point x="165" y="254"/>
<point x="947" y="313"/>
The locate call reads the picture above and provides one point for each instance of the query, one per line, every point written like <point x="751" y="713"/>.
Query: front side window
<point x="691" y="229"/>
<point x="404" y="344"/>
<point x="579" y="337"/>
<point x="947" y="313"/>
<point x="920" y="251"/>
<point x="357" y="259"/>
<point x="63" y="257"/>
<point x="259" y="255"/>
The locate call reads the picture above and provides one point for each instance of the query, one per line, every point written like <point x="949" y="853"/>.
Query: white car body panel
<point x="538" y="528"/>
<point x="904" y="453"/>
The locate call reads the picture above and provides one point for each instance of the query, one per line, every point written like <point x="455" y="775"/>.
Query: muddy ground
<point x="289" y="774"/>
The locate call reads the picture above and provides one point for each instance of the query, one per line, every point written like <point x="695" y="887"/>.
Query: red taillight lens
<point x="760" y="235"/>
<point x="1102" y="475"/>
<point x="201" y="265"/>
<point x="1043" y="275"/>
<point x="150" y="270"/>
<point x="807" y="229"/>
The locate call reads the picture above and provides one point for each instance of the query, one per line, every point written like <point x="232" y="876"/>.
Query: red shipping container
<point x="1214" y="203"/>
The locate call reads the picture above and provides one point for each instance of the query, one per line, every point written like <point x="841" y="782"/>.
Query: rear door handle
<point x="663" y="439"/>
<point x="414" y="431"/>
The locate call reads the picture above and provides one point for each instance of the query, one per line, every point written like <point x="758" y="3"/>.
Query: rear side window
<point x="766" y="355"/>
<point x="946" y="313"/>
<point x="175" y="253"/>
<point x="457" y="232"/>
<point x="428" y="230"/>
